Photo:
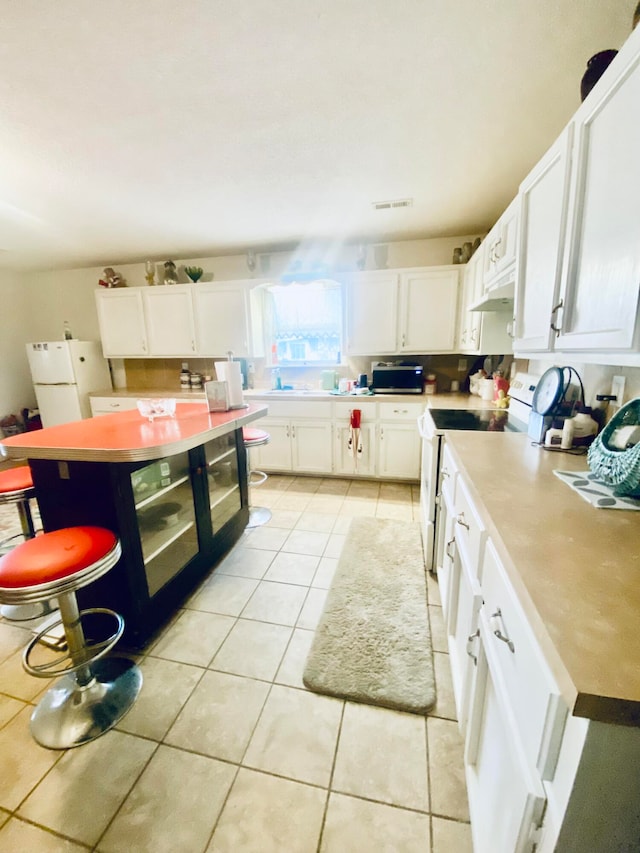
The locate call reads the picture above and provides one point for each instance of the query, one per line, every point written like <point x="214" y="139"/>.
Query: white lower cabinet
<point x="294" y="445"/>
<point x="509" y="707"/>
<point x="506" y="801"/>
<point x="398" y="441"/>
<point x="538" y="778"/>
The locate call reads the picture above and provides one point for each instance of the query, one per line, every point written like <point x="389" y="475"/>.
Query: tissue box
<point x="217" y="396"/>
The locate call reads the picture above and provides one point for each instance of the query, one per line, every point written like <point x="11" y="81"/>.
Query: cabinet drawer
<point x="448" y="476"/>
<point x="296" y="409"/>
<point x="400" y="411"/>
<point x="105" y="405"/>
<point x="518" y="665"/>
<point x="469" y="530"/>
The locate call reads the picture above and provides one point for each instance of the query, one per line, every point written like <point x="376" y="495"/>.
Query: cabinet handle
<point x="144" y="346"/>
<point x="461" y="521"/>
<point x="193" y="346"/>
<point x="403" y="340"/>
<point x="400" y="411"/>
<point x="470" y="640"/>
<point x="381" y="433"/>
<point x="556" y="328"/>
<point x="293" y="432"/>
<point x="286" y="432"/>
<point x="447" y="548"/>
<point x="444" y="473"/>
<point x="497" y="630"/>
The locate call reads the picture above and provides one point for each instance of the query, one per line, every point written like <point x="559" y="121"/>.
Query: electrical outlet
<point x="617" y="389"/>
<point x="462" y="364"/>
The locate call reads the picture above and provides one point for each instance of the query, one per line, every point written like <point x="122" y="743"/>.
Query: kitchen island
<point x="174" y="491"/>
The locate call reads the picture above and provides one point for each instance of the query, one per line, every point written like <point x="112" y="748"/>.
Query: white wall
<point x="16" y="317"/>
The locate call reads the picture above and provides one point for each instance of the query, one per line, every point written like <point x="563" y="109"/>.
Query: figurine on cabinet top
<point x="112" y="279"/>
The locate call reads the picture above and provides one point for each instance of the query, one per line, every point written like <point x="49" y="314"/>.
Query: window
<point x="303" y="322"/>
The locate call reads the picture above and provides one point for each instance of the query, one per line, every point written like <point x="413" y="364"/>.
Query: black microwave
<point x="397" y="378"/>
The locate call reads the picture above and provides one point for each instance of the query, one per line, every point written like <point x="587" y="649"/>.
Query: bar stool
<point x="258" y="515"/>
<point x="94" y="692"/>
<point x="16" y="487"/>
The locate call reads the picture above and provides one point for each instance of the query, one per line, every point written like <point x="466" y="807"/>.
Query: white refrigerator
<point x="64" y="373"/>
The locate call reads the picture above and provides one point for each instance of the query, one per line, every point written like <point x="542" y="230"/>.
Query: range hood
<point x="499" y="298"/>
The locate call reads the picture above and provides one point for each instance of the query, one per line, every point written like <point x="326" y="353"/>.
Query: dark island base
<point x="100" y="493"/>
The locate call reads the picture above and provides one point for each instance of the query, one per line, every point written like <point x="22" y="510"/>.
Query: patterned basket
<point x="618" y="468"/>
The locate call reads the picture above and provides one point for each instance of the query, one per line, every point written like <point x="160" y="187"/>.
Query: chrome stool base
<point x="25" y="612"/>
<point x="258" y="515"/>
<point x="69" y="715"/>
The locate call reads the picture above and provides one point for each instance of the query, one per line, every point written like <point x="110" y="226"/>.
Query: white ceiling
<point x="159" y="128"/>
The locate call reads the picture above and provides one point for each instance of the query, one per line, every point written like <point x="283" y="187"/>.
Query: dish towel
<point x="594" y="491"/>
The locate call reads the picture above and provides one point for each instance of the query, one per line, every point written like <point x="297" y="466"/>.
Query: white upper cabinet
<point x="169" y="320"/>
<point x="122" y="325"/>
<point x="428" y="310"/>
<point x="500" y="248"/>
<point x="372" y="313"/>
<point x="601" y="273"/>
<point x="222" y="318"/>
<point x="176" y="320"/>
<point x="408" y="311"/>
<point x="543" y="205"/>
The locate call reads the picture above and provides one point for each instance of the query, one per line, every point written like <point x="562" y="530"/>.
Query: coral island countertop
<point x="575" y="568"/>
<point x="127" y="436"/>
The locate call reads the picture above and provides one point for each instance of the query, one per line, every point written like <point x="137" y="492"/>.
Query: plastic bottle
<point x="276" y="381"/>
<point x="584" y="427"/>
<point x="567" y="434"/>
<point x="553" y="437"/>
<point x="430" y="384"/>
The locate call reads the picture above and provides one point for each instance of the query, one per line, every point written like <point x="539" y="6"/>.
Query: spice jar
<point x="195" y="381"/>
<point x="430" y="385"/>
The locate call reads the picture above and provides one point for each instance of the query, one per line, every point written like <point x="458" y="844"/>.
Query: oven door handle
<point x="422" y="428"/>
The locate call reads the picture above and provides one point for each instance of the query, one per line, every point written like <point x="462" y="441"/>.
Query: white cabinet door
<point x="601" y="277"/>
<point x="543" y="210"/>
<point x="428" y="309"/>
<point x="464" y="604"/>
<point x="500" y="248"/>
<point x="506" y="800"/>
<point x="276" y="455"/>
<point x="470" y="321"/>
<point x="222" y="319"/>
<point x="372" y="313"/>
<point x="169" y="317"/>
<point x="121" y="320"/>
<point x="347" y="460"/>
<point x="311" y="446"/>
<point x="398" y="450"/>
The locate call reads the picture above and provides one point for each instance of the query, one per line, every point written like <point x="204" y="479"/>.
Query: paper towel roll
<point x="230" y="372"/>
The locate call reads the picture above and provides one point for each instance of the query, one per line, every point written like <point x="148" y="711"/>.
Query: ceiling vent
<point x="391" y="205"/>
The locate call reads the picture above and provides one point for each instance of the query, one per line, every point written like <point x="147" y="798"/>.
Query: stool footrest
<point x="91" y="652"/>
<point x="260" y="477"/>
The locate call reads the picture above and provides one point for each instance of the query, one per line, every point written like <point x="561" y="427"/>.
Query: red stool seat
<point x="16" y="480"/>
<point x="251" y="435"/>
<point x="54" y="556"/>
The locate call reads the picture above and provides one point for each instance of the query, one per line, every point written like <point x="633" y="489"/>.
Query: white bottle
<point x="567" y="434"/>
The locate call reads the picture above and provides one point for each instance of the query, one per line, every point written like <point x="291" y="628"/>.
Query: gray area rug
<point x="373" y="642"/>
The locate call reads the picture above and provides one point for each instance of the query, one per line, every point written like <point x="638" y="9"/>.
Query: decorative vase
<point x="596" y="67"/>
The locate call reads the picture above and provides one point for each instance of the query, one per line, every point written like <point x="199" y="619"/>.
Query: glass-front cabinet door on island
<point x="166" y="518"/>
<point x="222" y="479"/>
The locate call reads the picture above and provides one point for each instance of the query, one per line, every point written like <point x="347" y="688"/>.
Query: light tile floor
<point x="225" y="749"/>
